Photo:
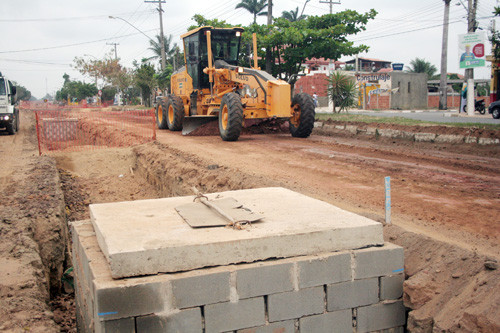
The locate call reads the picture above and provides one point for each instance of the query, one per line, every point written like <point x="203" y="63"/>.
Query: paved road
<point x="434" y="116"/>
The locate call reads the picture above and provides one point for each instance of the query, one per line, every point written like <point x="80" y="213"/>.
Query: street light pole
<point x="133" y="26"/>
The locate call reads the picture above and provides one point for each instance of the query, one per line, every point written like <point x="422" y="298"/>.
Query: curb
<point x="398" y="134"/>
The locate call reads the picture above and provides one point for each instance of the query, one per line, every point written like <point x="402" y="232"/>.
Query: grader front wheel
<point x="161" y="120"/>
<point x="174" y="113"/>
<point x="230" y="117"/>
<point x="302" y="120"/>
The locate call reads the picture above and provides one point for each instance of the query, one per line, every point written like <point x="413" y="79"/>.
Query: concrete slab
<point x="148" y="236"/>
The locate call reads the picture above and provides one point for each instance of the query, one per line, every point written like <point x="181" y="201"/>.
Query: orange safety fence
<point x="40" y="105"/>
<point x="69" y="129"/>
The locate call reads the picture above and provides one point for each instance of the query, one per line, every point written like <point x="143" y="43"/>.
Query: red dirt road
<point x="448" y="192"/>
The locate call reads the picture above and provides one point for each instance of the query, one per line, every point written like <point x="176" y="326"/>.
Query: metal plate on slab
<point x="198" y="215"/>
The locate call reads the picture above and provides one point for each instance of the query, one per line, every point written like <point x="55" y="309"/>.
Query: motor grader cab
<point x="211" y="86"/>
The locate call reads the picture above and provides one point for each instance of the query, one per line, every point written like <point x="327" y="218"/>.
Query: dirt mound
<point x="435" y="129"/>
<point x="447" y="288"/>
<point x="186" y="170"/>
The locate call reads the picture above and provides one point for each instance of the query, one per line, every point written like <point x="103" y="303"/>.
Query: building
<point x="369" y="64"/>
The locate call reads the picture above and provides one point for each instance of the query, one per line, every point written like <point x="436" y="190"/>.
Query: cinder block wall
<point x="346" y="291"/>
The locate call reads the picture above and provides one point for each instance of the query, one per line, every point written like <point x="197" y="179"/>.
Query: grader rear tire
<point x="161" y="119"/>
<point x="303" y="126"/>
<point x="230" y="117"/>
<point x="174" y="113"/>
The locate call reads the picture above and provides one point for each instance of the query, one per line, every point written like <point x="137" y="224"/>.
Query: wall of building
<point x="312" y="83"/>
<point x="412" y="92"/>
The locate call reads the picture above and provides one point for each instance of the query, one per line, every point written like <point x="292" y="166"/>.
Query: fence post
<point x="154" y="123"/>
<point x="38" y="134"/>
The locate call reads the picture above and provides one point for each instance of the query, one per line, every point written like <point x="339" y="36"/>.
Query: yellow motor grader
<point x="211" y="86"/>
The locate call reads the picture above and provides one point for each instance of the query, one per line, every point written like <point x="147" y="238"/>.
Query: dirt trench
<point x="447" y="288"/>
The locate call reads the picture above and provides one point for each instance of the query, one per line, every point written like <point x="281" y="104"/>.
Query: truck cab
<point x="9" y="112"/>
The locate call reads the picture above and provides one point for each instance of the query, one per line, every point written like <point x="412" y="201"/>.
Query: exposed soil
<point x="445" y="201"/>
<point x="435" y="129"/>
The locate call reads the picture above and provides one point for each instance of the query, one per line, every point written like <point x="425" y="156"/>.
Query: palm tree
<point x="293" y="15"/>
<point x="256" y="7"/>
<point x="418" y="65"/>
<point x="155" y="46"/>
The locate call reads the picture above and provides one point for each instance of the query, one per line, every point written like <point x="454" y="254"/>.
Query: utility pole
<point x="443" y="83"/>
<point x="116" y="54"/>
<point x="469" y="72"/>
<point x="331" y="3"/>
<point x="269" y="60"/>
<point x="162" y="38"/>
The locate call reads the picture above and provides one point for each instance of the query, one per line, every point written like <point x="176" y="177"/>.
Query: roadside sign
<point x="471" y="50"/>
<point x="398" y="66"/>
<point x="100" y="93"/>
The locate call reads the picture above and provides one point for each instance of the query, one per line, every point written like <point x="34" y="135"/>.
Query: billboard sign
<point x="398" y="66"/>
<point x="471" y="49"/>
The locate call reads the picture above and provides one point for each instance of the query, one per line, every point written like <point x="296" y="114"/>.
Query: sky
<point x="40" y="39"/>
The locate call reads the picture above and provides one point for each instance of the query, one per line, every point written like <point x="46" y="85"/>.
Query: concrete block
<point x="371" y="130"/>
<point x="351" y="129"/>
<point x="231" y="316"/>
<point x="324" y="269"/>
<point x="338" y="322"/>
<point x="296" y="304"/>
<point x="389" y="133"/>
<point x="125" y="325"/>
<point x="391" y="287"/>
<point x="201" y="290"/>
<point x="277" y="327"/>
<point x="128" y="301"/>
<point x="263" y="280"/>
<point x="470" y="139"/>
<point x="488" y="141"/>
<point x="380" y="316"/>
<point x="184" y="321"/>
<point x="378" y="261"/>
<point x="318" y="124"/>
<point x="351" y="294"/>
<point x="449" y="138"/>
<point x="425" y="137"/>
<point x="148" y="236"/>
<point x="340" y="127"/>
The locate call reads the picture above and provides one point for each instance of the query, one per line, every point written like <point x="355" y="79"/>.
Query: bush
<point x="342" y="91"/>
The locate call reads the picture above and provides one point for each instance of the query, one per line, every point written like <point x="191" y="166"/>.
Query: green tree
<point x="255" y="7"/>
<point x="23" y="94"/>
<point x="495" y="37"/>
<point x="291" y="43"/>
<point x="420" y="65"/>
<point x="293" y="15"/>
<point x="108" y="69"/>
<point x="342" y="91"/>
<point x="201" y="21"/>
<point x="163" y="78"/>
<point x="75" y="89"/>
<point x="144" y="79"/>
<point x="170" y="48"/>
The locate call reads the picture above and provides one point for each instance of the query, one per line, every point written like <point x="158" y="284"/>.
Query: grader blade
<point x="192" y="123"/>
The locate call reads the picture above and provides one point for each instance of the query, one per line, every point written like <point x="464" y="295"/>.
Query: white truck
<point x="9" y="110"/>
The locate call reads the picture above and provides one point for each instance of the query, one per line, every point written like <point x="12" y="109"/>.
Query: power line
<point x="62" y="18"/>
<point x="402" y="32"/>
<point x="69" y="45"/>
